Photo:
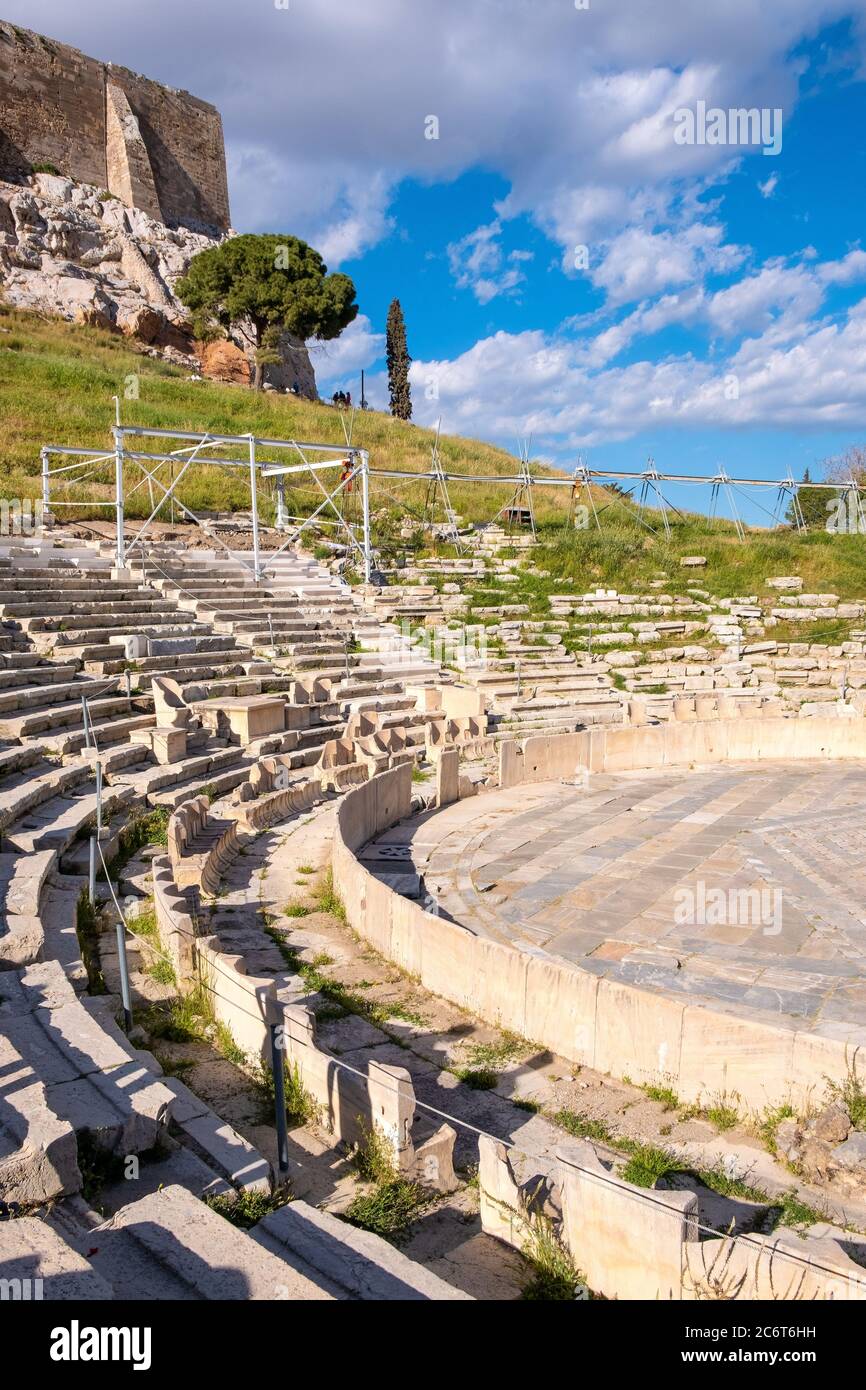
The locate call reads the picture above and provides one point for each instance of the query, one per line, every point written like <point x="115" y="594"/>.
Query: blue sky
<point x="718" y="316"/>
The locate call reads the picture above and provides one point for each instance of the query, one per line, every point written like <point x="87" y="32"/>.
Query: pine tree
<point x="398" y="359"/>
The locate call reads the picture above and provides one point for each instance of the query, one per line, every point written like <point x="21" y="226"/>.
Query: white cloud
<point x="357" y="347"/>
<point x="478" y="262"/>
<point x="513" y="384"/>
<point x="324" y="104"/>
<point x="768" y="188"/>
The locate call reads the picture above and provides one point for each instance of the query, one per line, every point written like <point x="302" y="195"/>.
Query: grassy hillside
<point x="56" y="385"/>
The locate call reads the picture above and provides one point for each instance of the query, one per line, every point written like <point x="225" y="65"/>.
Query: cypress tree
<point x="398" y="359"/>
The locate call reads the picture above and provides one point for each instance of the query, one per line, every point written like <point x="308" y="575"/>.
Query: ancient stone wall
<point x="154" y="147"/>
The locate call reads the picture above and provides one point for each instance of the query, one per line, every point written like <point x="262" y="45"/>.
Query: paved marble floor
<point x="743" y="885"/>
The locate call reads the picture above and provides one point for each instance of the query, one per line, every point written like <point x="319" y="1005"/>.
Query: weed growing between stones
<point x="248" y="1208"/>
<point x="477" y="1078"/>
<point x="583" y="1127"/>
<point x="554" y="1276"/>
<point x="329" y="899"/>
<point x="663" y="1094"/>
<point x="149" y="829"/>
<point x="853" y="1096"/>
<point x="394" y="1202"/>
<point x="87" y="931"/>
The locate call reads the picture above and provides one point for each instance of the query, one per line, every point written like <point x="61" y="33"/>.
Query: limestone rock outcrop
<point x="74" y="250"/>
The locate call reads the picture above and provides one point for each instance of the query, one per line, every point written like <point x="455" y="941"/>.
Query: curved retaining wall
<point x="602" y="1023"/>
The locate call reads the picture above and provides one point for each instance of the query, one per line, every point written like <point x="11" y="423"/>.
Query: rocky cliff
<point x="75" y="250"/>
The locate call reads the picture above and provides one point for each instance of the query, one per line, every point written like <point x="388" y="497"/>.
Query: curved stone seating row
<point x="631" y="1244"/>
<point x="468" y="733"/>
<point x="200" y="847"/>
<point x="248" y="1005"/>
<point x="22" y="878"/>
<point x="25" y="793"/>
<point x="171" y="1246"/>
<point x="90" y="1080"/>
<point x="279" y="803"/>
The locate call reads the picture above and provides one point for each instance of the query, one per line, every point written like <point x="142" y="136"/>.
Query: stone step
<point x="104" y="734"/>
<point x="32" y="1252"/>
<point x="170" y="1245"/>
<point x="220" y="1146"/>
<point x="56" y="823"/>
<point x="111" y="620"/>
<point x="65" y="714"/>
<point x="26" y="790"/>
<point x="216" y="660"/>
<point x="49" y="673"/>
<point x="93" y="1083"/>
<point x="362" y="1265"/>
<point x="218" y="783"/>
<point x="49" y="693"/>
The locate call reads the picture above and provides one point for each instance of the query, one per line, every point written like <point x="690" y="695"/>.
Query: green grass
<point x="306" y="869"/>
<point x="148" y="829"/>
<point x="87" y="931"/>
<point x="246" y="1209"/>
<point x="394" y="1202"/>
<point x="583" y="1127"/>
<point x="646" y="1163"/>
<point x="797" y="1214"/>
<point x="509" y="1048"/>
<point x="300" y="1105"/>
<point x="477" y="1078"/>
<point x="296" y="910"/>
<point x="663" y="1094"/>
<point x="554" y="1276"/>
<point x="57" y="380"/>
<point x="388" y="1210"/>
<point x="329" y="899"/>
<point x="853" y="1096"/>
<point x="722" y="1116"/>
<point x="770" y="1122"/>
<point x="180" y="1020"/>
<point x="227" y="1047"/>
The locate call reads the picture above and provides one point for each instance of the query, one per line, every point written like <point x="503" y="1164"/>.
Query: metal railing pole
<point x="254" y="502"/>
<point x="98" y="798"/>
<point x="118" y="496"/>
<point x="124" y="973"/>
<point x="365" y="502"/>
<point x="279" y="1074"/>
<point x="91" y="878"/>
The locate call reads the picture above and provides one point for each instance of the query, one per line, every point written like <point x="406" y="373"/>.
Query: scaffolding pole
<point x="365" y="502"/>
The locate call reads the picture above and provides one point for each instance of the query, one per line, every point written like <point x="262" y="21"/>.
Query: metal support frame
<point x="521" y="499"/>
<point x="437" y="488"/>
<point x="354" y="463"/>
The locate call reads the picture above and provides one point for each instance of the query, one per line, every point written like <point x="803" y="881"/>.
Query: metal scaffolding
<point x="261" y="459"/>
<point x="352" y="463"/>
